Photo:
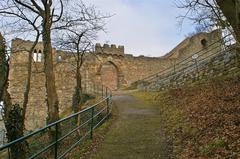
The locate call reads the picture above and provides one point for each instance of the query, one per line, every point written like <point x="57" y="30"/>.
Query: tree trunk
<point x="13" y="115"/>
<point x="231" y="10"/>
<point x="3" y="66"/>
<point x="29" y="75"/>
<point x="52" y="98"/>
<point x="78" y="89"/>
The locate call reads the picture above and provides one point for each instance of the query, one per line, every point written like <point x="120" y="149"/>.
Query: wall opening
<point x="59" y="58"/>
<point x="39" y="56"/>
<point x="1" y="110"/>
<point x="109" y="75"/>
<point x="35" y="54"/>
<point x="204" y="43"/>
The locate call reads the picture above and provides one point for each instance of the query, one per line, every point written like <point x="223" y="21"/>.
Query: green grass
<point x="212" y="145"/>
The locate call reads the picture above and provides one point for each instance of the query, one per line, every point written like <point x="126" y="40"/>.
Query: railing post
<point x="56" y="142"/>
<point x="9" y="154"/>
<point x="85" y="88"/>
<point x="92" y="123"/>
<point x="197" y="71"/>
<point x="174" y="67"/>
<point x="108" y="105"/>
<point x="102" y="91"/>
<point x="109" y="100"/>
<point x="106" y="91"/>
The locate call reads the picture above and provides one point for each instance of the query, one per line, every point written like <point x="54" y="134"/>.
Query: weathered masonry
<point x="108" y="65"/>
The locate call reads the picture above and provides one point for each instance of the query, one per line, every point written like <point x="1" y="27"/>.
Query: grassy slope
<point x="201" y="121"/>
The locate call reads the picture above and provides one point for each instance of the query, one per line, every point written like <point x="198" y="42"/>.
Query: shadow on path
<point x="136" y="134"/>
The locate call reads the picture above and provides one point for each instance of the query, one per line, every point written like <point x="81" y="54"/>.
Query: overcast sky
<point x="144" y="27"/>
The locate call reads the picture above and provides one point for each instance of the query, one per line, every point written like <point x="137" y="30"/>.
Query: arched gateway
<point x="109" y="74"/>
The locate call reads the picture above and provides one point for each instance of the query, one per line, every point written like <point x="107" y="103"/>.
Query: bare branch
<point x="60" y="15"/>
<point x="27" y="6"/>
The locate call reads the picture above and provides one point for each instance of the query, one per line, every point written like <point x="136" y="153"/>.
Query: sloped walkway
<point x="136" y="134"/>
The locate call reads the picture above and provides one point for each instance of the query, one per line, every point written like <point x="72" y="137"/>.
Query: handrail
<point x="188" y="65"/>
<point x="189" y="57"/>
<point x="50" y="125"/>
<point x="94" y="118"/>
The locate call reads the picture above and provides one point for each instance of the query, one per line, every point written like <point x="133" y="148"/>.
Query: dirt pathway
<point x="136" y="134"/>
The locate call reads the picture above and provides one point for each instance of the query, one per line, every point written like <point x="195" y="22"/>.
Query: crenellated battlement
<point x="109" y="49"/>
<point x="20" y="45"/>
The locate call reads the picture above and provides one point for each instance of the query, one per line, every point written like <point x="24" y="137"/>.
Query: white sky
<point x="144" y="27"/>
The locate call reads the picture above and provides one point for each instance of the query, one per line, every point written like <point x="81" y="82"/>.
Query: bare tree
<point x="22" y="14"/>
<point x="49" y="12"/>
<point x="78" y="29"/>
<point x="14" y="114"/>
<point x="210" y="14"/>
<point x="76" y="48"/>
<point x="46" y="9"/>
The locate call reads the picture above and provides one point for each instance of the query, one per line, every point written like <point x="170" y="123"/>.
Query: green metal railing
<point x="56" y="140"/>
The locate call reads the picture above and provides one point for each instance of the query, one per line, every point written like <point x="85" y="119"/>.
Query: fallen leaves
<point x="204" y="121"/>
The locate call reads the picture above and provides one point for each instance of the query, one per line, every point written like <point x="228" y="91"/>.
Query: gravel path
<point x="136" y="134"/>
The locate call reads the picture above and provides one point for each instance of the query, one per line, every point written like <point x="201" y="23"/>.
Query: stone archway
<point x="110" y="75"/>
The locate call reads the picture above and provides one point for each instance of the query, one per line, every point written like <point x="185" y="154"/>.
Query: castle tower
<point x="109" y="49"/>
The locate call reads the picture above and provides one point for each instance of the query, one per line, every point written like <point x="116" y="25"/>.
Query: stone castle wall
<point x="128" y="69"/>
<point x="225" y="62"/>
<point x="195" y="44"/>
